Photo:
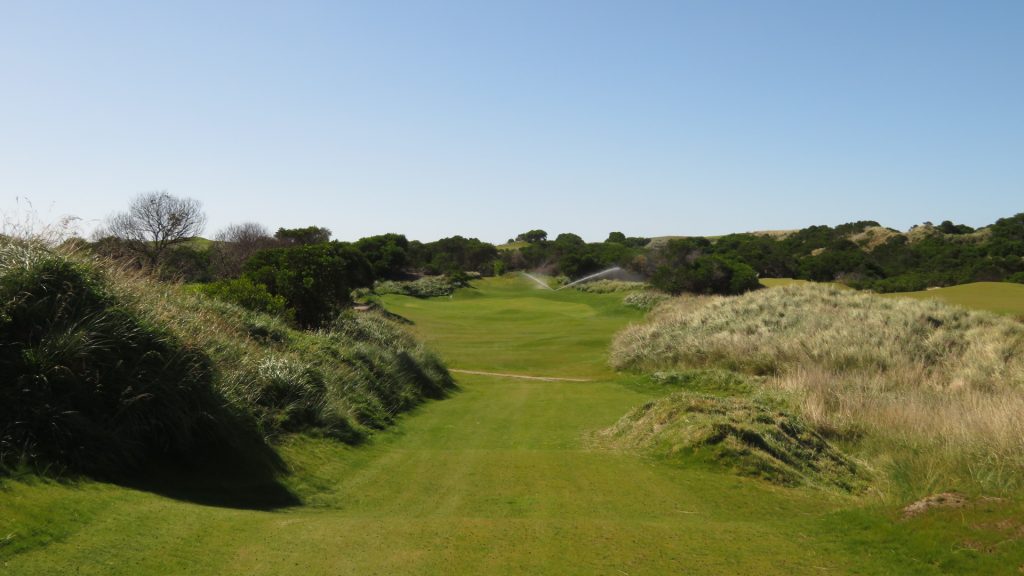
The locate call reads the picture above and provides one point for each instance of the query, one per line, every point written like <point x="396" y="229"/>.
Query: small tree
<point x="235" y="244"/>
<point x="303" y="236"/>
<point x="533" y="236"/>
<point x="156" y="221"/>
<point x="316" y="280"/>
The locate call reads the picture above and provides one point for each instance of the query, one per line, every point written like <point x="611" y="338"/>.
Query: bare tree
<point x="154" y="222"/>
<point x="235" y="244"/>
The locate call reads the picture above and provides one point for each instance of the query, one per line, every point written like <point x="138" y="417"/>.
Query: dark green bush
<point x="247" y="294"/>
<point x="316" y="280"/>
<point x="685" y="268"/>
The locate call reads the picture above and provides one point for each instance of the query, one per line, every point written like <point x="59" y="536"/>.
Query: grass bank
<point x="113" y="374"/>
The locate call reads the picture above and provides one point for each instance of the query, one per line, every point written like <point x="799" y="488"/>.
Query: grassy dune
<point x="503" y="477"/>
<point x="930" y="393"/>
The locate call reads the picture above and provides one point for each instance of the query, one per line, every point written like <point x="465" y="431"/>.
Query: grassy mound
<point x="936" y="391"/>
<point x="89" y="383"/>
<point x="106" y="373"/>
<point x="754" y="437"/>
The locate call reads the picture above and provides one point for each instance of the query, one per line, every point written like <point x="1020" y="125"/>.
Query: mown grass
<point x="502" y="478"/>
<point x="999" y="297"/>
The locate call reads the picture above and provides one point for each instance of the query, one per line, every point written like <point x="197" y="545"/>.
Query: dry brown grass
<point x="873" y="237"/>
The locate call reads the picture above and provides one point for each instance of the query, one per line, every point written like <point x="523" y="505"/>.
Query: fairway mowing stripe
<point x="521" y="376"/>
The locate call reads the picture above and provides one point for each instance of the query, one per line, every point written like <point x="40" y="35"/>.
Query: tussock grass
<point x="609" y="286"/>
<point x="933" y="393"/>
<point x="754" y="436"/>
<point x="106" y="371"/>
<point x="645" y="300"/>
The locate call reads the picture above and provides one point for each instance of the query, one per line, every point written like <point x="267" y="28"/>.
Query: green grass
<point x="512" y="246"/>
<point x="511" y="324"/>
<point x="1001" y="297"/>
<point x="778" y="282"/>
<point x="501" y="478"/>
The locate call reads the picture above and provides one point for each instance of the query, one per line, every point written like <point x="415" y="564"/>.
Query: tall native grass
<point x="106" y="371"/>
<point x="929" y="393"/>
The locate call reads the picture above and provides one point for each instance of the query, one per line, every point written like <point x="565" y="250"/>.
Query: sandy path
<point x="521" y="376"/>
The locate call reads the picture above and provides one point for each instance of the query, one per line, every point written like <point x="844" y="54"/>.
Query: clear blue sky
<point x="490" y="118"/>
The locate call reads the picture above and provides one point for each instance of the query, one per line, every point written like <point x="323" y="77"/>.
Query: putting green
<point x="501" y="478"/>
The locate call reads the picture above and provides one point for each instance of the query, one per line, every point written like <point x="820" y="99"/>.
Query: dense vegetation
<point x="315" y="275"/>
<point x="865" y="255"/>
<point x="682" y="265"/>
<point x="570" y="256"/>
<point x="107" y="373"/>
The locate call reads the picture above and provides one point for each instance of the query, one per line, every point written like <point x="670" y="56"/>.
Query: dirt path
<point x="520" y="376"/>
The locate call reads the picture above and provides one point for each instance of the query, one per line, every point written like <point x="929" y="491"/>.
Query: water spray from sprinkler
<point x="537" y="280"/>
<point x="592" y="276"/>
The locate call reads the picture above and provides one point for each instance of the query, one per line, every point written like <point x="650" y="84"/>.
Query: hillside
<point x="115" y="375"/>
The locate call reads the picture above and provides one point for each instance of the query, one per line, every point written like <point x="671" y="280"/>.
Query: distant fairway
<point x="501" y="478"/>
<point x="776" y="282"/>
<point x="1001" y="297"/>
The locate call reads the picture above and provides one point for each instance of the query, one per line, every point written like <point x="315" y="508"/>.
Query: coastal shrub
<point x="247" y="294"/>
<point x="425" y="287"/>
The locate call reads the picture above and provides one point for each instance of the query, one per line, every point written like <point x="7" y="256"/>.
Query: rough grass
<point x="644" y="300"/>
<point x="112" y="371"/>
<point x="752" y="435"/>
<point x="933" y="393"/>
<point x="609" y="286"/>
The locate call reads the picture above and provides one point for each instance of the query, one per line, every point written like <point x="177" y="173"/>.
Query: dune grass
<point x="929" y="392"/>
<point x="780" y="282"/>
<point x="503" y="478"/>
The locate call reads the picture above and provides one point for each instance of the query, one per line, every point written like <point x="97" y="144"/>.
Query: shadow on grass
<point x="221" y="480"/>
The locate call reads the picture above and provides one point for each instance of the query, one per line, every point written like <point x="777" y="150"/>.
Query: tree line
<point x="304" y="274"/>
